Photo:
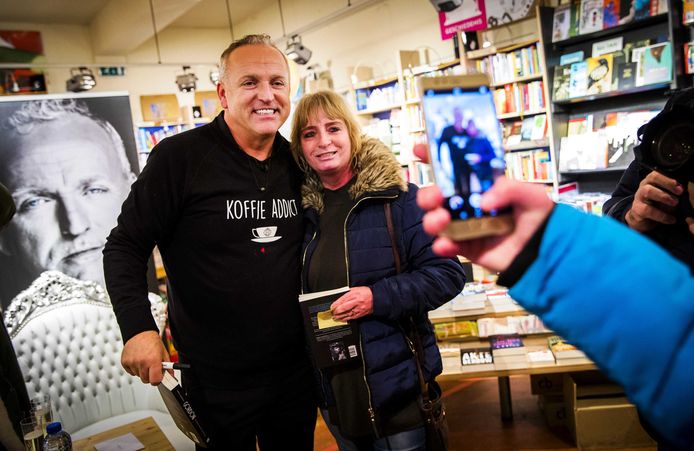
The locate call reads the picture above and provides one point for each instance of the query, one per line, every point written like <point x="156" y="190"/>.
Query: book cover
<point x="562" y="349"/>
<point x="688" y="12"/>
<point x="689" y="57"/>
<point x="610" y="17"/>
<point x="654" y="64"/>
<point x="331" y="342"/>
<point x="539" y="130"/>
<point x="539" y="356"/>
<point x="176" y="401"/>
<point x="599" y="75"/>
<point x="560" y="84"/>
<point x="642" y="9"/>
<point x="591" y="16"/>
<point x="477" y="356"/>
<point x="527" y="128"/>
<point x="561" y="23"/>
<point x="506" y="345"/>
<point x="456" y="329"/>
<point x="578" y="79"/>
<point x="575" y="16"/>
<point x="626" y="11"/>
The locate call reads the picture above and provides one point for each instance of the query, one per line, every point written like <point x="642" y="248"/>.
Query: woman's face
<point x="326" y="146"/>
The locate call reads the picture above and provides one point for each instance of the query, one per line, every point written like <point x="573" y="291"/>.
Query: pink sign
<point x="469" y="16"/>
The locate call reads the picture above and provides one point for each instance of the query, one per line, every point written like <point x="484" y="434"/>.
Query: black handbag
<point x="431" y="399"/>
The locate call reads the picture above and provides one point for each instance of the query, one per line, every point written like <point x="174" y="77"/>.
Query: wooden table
<point x="146" y="431"/>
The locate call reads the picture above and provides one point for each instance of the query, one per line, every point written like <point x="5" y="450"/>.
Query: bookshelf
<point x="603" y="85"/>
<point x="518" y="81"/>
<point x="148" y="134"/>
<point x="389" y="109"/>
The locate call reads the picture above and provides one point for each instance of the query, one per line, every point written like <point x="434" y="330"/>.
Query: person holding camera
<point x="652" y="196"/>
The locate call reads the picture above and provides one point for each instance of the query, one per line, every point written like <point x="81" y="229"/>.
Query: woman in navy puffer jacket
<point x="370" y="404"/>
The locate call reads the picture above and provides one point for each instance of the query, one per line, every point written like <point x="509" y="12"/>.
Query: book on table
<point x="176" y="401"/>
<point x="332" y="342"/>
<point x="564" y="350"/>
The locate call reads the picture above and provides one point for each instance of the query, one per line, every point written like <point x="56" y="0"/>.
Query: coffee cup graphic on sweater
<point x="265" y="234"/>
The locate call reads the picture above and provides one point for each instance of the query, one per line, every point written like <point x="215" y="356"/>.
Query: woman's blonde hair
<point x="334" y="107"/>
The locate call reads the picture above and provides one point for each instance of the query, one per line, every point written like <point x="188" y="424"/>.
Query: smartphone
<point x="465" y="151"/>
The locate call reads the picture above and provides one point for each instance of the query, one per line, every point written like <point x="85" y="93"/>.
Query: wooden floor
<point x="475" y="424"/>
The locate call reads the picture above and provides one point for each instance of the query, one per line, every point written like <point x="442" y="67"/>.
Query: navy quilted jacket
<point x="426" y="282"/>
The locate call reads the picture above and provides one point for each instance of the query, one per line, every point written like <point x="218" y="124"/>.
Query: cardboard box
<point x="553" y="408"/>
<point x="542" y="384"/>
<point x="599" y="415"/>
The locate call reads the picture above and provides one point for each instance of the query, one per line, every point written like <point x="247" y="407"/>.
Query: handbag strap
<point x="413" y="337"/>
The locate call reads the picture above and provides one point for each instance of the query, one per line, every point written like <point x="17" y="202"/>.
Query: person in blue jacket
<point x="632" y="311"/>
<point x="373" y="402"/>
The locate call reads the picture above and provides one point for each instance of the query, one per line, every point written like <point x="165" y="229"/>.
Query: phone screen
<point x="465" y="146"/>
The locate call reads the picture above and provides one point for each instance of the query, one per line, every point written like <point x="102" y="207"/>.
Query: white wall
<point x="370" y="37"/>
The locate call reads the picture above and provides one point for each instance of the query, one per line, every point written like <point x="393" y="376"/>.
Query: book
<point x="506" y="345"/>
<point x="331" y="342"/>
<point x="527" y="128"/>
<point x="688" y="12"/>
<point x="561" y="23"/>
<point x="539" y="356"/>
<point x="626" y="11"/>
<point x="560" y="85"/>
<point x="578" y="79"/>
<point x="689" y="57"/>
<point x="654" y="64"/>
<point x="539" y="130"/>
<point x="456" y="329"/>
<point x="563" y="350"/>
<point x="476" y="356"/>
<point x="642" y="9"/>
<point x="591" y="16"/>
<point x="575" y="17"/>
<point x="610" y="17"/>
<point x="599" y="75"/>
<point x="176" y="401"/>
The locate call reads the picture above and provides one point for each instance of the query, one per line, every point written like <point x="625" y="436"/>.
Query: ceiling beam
<point x="123" y="25"/>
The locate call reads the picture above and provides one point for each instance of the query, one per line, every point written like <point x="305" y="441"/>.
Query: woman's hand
<point x="357" y="302"/>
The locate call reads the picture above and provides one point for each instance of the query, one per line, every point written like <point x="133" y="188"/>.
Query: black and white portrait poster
<point x="68" y="161"/>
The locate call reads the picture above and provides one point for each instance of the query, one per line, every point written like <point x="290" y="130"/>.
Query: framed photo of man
<point x="68" y="160"/>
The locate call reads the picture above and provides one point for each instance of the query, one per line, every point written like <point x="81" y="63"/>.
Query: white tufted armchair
<point x="68" y="344"/>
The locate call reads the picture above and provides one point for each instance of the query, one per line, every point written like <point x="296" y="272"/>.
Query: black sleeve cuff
<point x="525" y="257"/>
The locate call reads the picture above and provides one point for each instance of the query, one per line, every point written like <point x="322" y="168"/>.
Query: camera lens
<point x="674" y="145"/>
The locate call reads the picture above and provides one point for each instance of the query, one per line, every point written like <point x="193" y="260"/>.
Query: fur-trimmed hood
<point x="375" y="169"/>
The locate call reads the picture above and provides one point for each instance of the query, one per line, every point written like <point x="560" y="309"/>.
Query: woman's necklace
<point x="266" y="169"/>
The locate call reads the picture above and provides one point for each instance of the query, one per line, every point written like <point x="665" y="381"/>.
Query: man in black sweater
<point x="222" y="204"/>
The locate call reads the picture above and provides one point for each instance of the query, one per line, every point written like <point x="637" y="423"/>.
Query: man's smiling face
<point x="255" y="91"/>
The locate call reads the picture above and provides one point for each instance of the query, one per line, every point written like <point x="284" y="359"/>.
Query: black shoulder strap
<point x="391" y="233"/>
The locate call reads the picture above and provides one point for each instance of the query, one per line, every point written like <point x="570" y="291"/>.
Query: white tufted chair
<point x="68" y="344"/>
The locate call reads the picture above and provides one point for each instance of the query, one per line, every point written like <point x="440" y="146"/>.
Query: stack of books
<point x="565" y="353"/>
<point x="508" y="352"/>
<point x="476" y="357"/>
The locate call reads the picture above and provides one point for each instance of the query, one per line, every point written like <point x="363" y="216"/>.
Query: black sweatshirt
<point x="233" y="279"/>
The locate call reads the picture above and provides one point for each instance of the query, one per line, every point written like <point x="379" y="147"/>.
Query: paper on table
<point x="127" y="442"/>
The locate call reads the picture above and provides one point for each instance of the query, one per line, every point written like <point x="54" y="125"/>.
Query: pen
<point x="175" y="366"/>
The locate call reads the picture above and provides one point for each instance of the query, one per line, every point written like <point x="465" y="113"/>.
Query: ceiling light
<point x="81" y="79"/>
<point x="296" y="51"/>
<point x="186" y="81"/>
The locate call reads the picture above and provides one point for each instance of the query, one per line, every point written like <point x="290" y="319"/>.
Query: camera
<point x="446" y="6"/>
<point x="667" y="140"/>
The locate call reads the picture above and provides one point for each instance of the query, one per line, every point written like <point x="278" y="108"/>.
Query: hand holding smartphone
<point x="465" y="151"/>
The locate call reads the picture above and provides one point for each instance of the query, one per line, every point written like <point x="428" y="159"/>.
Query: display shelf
<point x="609" y="32"/>
<point x="520" y="114"/>
<point x="372" y="111"/>
<point x="615" y="93"/>
<point x="527" y="145"/>
<point x="531" y="77"/>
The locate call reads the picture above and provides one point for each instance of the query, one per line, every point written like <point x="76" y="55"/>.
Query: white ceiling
<point x="204" y="14"/>
<point x="117" y="27"/>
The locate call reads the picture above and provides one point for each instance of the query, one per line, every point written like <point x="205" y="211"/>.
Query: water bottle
<point x="57" y="439"/>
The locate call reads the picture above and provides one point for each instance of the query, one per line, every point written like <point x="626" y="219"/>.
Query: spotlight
<point x="214" y="76"/>
<point x="296" y="51"/>
<point x="446" y="6"/>
<point x="81" y="79"/>
<point x="186" y="81"/>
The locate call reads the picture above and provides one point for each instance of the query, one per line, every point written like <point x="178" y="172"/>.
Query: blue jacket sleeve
<point x="627" y="304"/>
<point x="427" y="280"/>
